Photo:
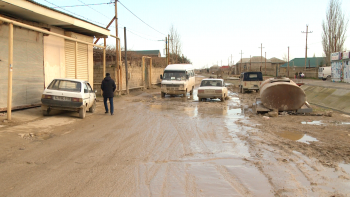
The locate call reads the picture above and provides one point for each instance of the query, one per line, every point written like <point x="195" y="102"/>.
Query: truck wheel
<point x="162" y="94"/>
<point x="199" y="99"/>
<point x="82" y="112"/>
<point x="92" y="108"/>
<point x="191" y="92"/>
<point x="46" y="112"/>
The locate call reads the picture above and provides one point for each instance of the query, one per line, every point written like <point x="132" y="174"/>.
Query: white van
<point x="177" y="79"/>
<point x="324" y="73"/>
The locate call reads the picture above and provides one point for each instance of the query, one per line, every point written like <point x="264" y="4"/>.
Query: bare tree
<point x="285" y="57"/>
<point x="174" y="45"/>
<point x="334" y="29"/>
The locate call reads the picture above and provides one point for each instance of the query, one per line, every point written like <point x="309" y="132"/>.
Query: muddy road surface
<point x="176" y="147"/>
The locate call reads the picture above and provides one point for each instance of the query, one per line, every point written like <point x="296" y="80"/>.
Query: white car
<point x="212" y="89"/>
<point x="69" y="94"/>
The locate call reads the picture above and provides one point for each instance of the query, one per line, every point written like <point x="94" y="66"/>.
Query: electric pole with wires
<point x="307" y="31"/>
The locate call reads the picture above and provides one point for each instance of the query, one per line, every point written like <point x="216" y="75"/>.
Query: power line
<point x="140" y="18"/>
<point x="68" y="6"/>
<point x="140" y="36"/>
<point x="75" y="13"/>
<point x="95" y="9"/>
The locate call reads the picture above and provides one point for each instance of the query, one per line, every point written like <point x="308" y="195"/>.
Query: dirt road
<point x="176" y="147"/>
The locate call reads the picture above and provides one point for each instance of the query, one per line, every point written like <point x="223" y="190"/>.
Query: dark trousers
<point x="110" y="102"/>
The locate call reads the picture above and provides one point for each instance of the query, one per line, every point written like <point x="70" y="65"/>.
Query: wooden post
<point x="143" y="71"/>
<point x="104" y="59"/>
<point x="76" y="60"/>
<point x="120" y="77"/>
<point x="150" y="73"/>
<point x="265" y="63"/>
<point x="10" y="63"/>
<point x="117" y="50"/>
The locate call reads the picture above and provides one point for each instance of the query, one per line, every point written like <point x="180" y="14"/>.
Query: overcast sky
<point x="212" y="31"/>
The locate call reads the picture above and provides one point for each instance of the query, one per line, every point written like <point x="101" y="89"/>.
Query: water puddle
<point x="297" y="136"/>
<point x="346" y="167"/>
<point x="161" y="107"/>
<point x="306" y="139"/>
<point x="345" y="123"/>
<point x="315" y="122"/>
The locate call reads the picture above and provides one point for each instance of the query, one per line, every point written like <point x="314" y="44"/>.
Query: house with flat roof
<point x="47" y="44"/>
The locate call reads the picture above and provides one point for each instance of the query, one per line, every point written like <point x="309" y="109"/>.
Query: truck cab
<point x="250" y="81"/>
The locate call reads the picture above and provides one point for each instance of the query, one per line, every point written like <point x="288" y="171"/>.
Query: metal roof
<point x="30" y="10"/>
<point x="148" y="52"/>
<point x="300" y="62"/>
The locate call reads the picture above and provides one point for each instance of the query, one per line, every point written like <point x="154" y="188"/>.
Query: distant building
<point x="311" y="62"/>
<point x="258" y="63"/>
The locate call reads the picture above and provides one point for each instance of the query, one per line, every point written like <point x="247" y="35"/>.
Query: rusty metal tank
<point x="282" y="94"/>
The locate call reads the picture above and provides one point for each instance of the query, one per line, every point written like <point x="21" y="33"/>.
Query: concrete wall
<point x="309" y="72"/>
<point x="136" y="75"/>
<point x="54" y="56"/>
<point x="333" y="98"/>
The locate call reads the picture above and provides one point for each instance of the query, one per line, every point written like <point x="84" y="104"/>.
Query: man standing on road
<point x="108" y="87"/>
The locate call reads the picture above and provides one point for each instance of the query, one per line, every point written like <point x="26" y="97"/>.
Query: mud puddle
<point x="296" y="136"/>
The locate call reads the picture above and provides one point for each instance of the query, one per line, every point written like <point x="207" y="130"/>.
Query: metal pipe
<point x="46" y="32"/>
<point x="9" y="95"/>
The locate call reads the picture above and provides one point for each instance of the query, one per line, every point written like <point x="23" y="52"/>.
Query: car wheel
<point x="324" y="79"/>
<point x="82" y="112"/>
<point x="199" y="99"/>
<point x="223" y="98"/>
<point x="184" y="94"/>
<point x="46" y="112"/>
<point x="92" y="108"/>
<point x="191" y="92"/>
<point x="162" y="94"/>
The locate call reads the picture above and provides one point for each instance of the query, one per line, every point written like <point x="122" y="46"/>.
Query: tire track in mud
<point x="233" y="181"/>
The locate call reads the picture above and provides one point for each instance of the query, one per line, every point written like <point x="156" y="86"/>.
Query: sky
<point x="211" y="32"/>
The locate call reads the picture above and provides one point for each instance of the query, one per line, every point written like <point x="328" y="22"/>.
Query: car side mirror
<point x="161" y="76"/>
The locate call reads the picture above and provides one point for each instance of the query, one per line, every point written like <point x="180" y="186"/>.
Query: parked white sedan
<point x="69" y="94"/>
<point x="212" y="89"/>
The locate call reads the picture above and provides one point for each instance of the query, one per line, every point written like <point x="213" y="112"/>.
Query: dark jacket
<point x="108" y="87"/>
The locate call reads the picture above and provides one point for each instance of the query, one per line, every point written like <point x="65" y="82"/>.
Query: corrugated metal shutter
<point x="28" y="73"/>
<point x="83" y="61"/>
<point x="69" y="48"/>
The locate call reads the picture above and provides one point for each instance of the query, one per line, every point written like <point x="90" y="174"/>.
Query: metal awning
<point x="32" y="11"/>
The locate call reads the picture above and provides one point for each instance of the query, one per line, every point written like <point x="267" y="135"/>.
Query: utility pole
<point x="288" y="64"/>
<point x="126" y="64"/>
<point x="168" y="50"/>
<point x="307" y="31"/>
<point x="117" y="42"/>
<point x="250" y="65"/>
<point x="261" y="55"/>
<point x="265" y="62"/>
<point x="240" y="67"/>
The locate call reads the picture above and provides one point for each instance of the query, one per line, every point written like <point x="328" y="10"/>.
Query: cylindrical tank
<point x="282" y="94"/>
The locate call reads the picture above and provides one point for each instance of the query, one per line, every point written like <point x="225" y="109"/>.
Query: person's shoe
<point x="112" y="114"/>
<point x="106" y="112"/>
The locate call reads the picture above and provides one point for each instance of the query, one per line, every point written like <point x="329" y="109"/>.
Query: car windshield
<point x="64" y="85"/>
<point x="174" y="75"/>
<point x="217" y="83"/>
<point x="253" y="76"/>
